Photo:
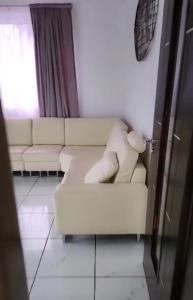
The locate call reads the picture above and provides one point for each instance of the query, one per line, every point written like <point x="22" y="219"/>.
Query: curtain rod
<point x="51" y="5"/>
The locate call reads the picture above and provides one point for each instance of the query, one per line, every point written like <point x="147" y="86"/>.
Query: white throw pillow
<point x="104" y="169"/>
<point x="136" y="142"/>
<point x="127" y="158"/>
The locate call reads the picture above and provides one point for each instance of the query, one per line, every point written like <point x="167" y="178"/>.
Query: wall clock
<point x="145" y="23"/>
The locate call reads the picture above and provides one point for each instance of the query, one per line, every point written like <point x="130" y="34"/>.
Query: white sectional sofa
<point x="19" y="133"/>
<point x="47" y="143"/>
<point x="38" y="144"/>
<point x="74" y="146"/>
<point x="35" y="145"/>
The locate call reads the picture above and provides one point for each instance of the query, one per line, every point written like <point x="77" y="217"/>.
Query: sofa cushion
<point x="19" y="131"/>
<point x="76" y="161"/>
<point x="88" y="131"/>
<point x="17" y="165"/>
<point x="136" y="141"/>
<point x="104" y="169"/>
<point x="16" y="152"/>
<point x="127" y="158"/>
<point x="42" y="165"/>
<point x="43" y="153"/>
<point x="48" y="131"/>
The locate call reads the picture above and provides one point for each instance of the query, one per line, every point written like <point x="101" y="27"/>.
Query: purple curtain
<point x="55" y="66"/>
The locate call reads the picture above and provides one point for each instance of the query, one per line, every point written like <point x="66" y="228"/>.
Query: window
<point x="17" y="64"/>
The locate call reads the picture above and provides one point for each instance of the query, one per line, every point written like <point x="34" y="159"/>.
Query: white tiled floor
<point x="44" y="188"/>
<point x="19" y="199"/>
<point x="121" y="289"/>
<point x="35" y="226"/>
<point x="85" y="268"/>
<point x="63" y="289"/>
<point x="33" y="250"/>
<point x="37" y="204"/>
<point x="125" y="253"/>
<point x="73" y="259"/>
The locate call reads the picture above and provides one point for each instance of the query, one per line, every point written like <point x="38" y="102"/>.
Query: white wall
<point x="142" y="80"/>
<point x="102" y="55"/>
<point x="110" y="80"/>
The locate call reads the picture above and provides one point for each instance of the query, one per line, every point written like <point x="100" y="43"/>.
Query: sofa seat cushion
<point x="76" y="161"/>
<point x="16" y="152"/>
<point x="42" y="153"/>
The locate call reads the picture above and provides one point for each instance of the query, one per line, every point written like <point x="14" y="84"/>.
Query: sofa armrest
<point x="100" y="208"/>
<point x="139" y="174"/>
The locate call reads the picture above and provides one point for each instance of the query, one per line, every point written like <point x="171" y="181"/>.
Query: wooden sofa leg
<point x="138" y="237"/>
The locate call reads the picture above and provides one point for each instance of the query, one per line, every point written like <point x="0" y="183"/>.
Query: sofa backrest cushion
<point x="127" y="158"/>
<point x="19" y="131"/>
<point x="88" y="131"/>
<point x="48" y="131"/>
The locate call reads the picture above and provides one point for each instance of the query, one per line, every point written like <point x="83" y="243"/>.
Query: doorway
<point x="169" y="202"/>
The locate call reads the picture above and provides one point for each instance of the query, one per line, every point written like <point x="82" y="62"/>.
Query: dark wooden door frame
<point x="172" y="34"/>
<point x="184" y="129"/>
<point x="12" y="270"/>
<point x="178" y="231"/>
<point x="165" y="85"/>
<point x="184" y="235"/>
<point x="153" y="188"/>
<point x="187" y="268"/>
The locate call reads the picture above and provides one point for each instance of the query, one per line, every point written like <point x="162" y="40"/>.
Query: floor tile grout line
<point x="26" y="195"/>
<point x="121" y="276"/>
<point x="51" y="228"/>
<point x="41" y="258"/>
<point x="89" y="277"/>
<point x="95" y="270"/>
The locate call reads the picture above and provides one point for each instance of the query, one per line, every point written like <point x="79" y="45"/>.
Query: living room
<point x="83" y="88"/>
